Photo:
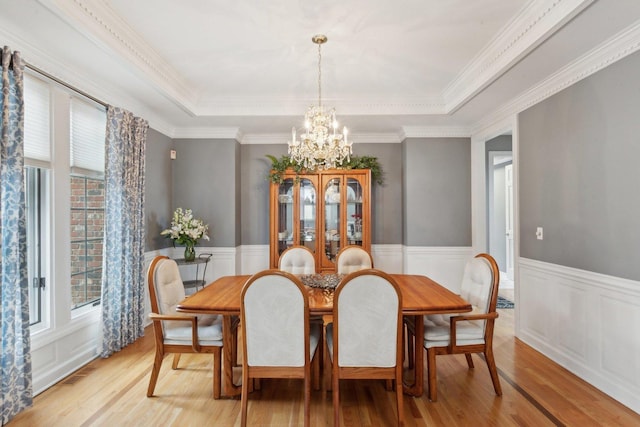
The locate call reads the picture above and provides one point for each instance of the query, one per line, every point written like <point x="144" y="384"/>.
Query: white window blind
<point x="37" y="115"/>
<point x="88" y="127"/>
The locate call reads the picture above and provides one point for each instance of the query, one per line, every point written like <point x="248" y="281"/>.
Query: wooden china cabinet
<point x="323" y="210"/>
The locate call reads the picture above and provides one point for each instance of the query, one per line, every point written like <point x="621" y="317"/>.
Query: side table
<point x="200" y="259"/>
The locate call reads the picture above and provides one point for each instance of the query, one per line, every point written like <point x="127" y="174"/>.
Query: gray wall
<point x="158" y="189"/>
<point x="226" y="185"/>
<point x="206" y="179"/>
<point x="386" y="198"/>
<point x="579" y="174"/>
<point x="255" y="191"/>
<point x="437" y="191"/>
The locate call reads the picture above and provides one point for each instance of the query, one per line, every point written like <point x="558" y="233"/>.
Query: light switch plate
<point x="539" y="233"/>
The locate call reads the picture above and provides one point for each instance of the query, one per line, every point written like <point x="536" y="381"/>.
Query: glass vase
<point x="189" y="253"/>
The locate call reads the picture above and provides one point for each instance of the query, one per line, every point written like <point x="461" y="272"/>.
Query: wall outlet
<point x="539" y="233"/>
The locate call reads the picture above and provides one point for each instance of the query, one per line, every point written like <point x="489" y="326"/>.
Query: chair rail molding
<point x="586" y="322"/>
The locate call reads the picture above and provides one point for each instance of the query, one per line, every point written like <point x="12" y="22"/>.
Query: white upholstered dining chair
<point x="466" y="333"/>
<point x="353" y="258"/>
<point x="278" y="341"/>
<point x="175" y="332"/>
<point x="297" y="260"/>
<point x="365" y="338"/>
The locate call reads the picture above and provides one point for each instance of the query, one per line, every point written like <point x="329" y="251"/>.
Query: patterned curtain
<point x="15" y="346"/>
<point x="123" y="263"/>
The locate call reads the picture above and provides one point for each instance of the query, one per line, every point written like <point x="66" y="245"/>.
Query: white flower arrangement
<point x="185" y="229"/>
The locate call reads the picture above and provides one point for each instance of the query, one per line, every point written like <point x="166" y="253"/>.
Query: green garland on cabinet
<point x="280" y="165"/>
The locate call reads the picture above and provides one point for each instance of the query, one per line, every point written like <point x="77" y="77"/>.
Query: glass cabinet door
<point x="332" y="213"/>
<point x="354" y="212"/>
<point x="285" y="215"/>
<point x="308" y="214"/>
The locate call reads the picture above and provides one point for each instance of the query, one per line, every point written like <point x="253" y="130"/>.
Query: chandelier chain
<point x="320" y="75"/>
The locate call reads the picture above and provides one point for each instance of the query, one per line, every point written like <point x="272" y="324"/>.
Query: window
<point x="37" y="149"/>
<point x="88" y="124"/>
<point x="36" y="185"/>
<point x="77" y="126"/>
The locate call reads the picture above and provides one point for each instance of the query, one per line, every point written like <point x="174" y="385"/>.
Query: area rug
<point x="504" y="303"/>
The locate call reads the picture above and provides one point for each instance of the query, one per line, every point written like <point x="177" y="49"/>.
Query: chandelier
<point x="320" y="145"/>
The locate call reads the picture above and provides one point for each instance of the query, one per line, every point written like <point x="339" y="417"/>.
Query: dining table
<point x="420" y="296"/>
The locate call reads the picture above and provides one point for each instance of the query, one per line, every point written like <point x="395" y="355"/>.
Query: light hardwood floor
<point x="536" y="392"/>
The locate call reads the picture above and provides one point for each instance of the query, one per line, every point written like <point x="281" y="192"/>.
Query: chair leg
<point x="176" y="360"/>
<point x="493" y="371"/>
<point x="157" y="364"/>
<point x="399" y="396"/>
<point x="217" y="372"/>
<point x="244" y="395"/>
<point x="469" y="360"/>
<point x="307" y="401"/>
<point x="432" y="377"/>
<point x="336" y="400"/>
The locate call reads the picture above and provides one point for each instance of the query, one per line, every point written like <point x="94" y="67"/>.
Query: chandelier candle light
<point x="319" y="147"/>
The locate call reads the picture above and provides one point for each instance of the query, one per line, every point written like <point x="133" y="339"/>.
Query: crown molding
<point x="616" y="48"/>
<point x="534" y="24"/>
<point x="32" y="55"/>
<point x="436" y="131"/>
<point x="270" y="106"/>
<point x="97" y="21"/>
<point x="377" y="138"/>
<point x="207" y="133"/>
<point x="360" y="138"/>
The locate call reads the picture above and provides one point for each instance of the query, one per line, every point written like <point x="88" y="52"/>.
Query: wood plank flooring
<point x="536" y="392"/>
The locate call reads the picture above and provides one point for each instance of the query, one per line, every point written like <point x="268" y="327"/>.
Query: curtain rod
<point x="65" y="84"/>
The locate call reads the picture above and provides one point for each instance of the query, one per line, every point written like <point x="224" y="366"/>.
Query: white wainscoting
<point x="387" y="257"/>
<point x="587" y="322"/>
<point x="445" y="265"/>
<point x="56" y="353"/>
<point x="253" y="258"/>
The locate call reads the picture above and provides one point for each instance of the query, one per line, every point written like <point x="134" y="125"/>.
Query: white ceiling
<point x="248" y="69"/>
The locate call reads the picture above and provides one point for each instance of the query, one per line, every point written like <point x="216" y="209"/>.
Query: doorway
<point x="499" y="191"/>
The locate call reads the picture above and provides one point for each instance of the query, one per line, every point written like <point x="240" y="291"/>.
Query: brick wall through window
<point x="87" y="239"/>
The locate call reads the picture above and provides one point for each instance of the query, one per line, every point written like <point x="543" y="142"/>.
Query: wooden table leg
<point x="416" y="389"/>
<point x="230" y="389"/>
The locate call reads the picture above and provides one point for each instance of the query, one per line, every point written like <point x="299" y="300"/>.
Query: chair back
<point x="367" y="314"/>
<point x="297" y="260"/>
<point x="353" y="258"/>
<point x="274" y="314"/>
<point x="166" y="289"/>
<point x="480" y="284"/>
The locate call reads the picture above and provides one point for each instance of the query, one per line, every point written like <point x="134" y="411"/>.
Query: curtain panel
<point x="123" y="262"/>
<point x="16" y="392"/>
